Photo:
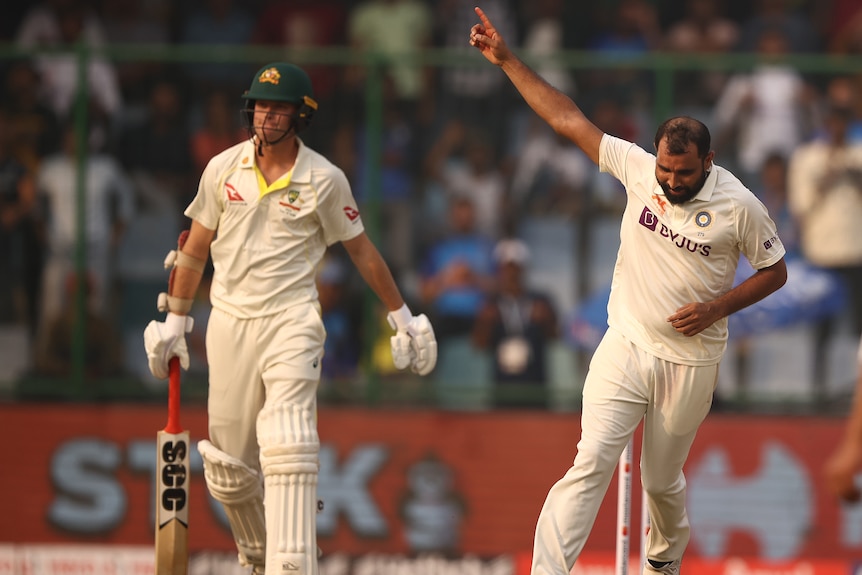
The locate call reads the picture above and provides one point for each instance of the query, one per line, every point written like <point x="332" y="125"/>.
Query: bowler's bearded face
<point x="681" y="176"/>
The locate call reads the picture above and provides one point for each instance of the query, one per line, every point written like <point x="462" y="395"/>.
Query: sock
<point x="659" y="564"/>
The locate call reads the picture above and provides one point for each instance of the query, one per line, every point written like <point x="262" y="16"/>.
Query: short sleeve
<point x="624" y="160"/>
<point x="207" y="206"/>
<point x="338" y="212"/>
<point x="759" y="240"/>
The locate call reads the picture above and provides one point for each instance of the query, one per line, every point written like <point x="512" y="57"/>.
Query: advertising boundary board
<point x="139" y="560"/>
<point x="411" y="481"/>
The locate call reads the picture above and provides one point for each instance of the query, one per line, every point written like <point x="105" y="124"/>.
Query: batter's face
<point x="273" y="121"/>
<point x="681" y="176"/>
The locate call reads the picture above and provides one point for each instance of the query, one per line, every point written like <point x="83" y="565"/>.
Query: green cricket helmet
<point x="283" y="82"/>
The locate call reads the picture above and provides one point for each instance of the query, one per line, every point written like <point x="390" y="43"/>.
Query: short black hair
<point x="681" y="131"/>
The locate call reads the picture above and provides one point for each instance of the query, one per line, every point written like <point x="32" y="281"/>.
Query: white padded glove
<point x="413" y="344"/>
<point x="166" y="339"/>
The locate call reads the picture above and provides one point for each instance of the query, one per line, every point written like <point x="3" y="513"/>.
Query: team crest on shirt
<point x="287" y="202"/>
<point x="703" y="219"/>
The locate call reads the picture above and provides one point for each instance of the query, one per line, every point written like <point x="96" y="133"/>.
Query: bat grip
<point x="173" y="425"/>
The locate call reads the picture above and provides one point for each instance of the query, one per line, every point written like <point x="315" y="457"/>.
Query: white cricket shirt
<point x="671" y="255"/>
<point x="270" y="239"/>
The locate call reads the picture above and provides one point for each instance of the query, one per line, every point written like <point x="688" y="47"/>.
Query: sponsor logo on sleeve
<point x="773" y="241"/>
<point x="351" y="213"/>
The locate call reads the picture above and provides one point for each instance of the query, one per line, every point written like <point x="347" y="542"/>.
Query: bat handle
<point x="173" y="425"/>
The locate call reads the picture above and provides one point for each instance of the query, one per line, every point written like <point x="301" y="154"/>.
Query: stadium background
<point x="415" y="468"/>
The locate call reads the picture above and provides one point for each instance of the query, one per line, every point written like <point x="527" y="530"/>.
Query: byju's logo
<point x="648" y="219"/>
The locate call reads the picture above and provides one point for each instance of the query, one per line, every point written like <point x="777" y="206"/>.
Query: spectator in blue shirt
<point x="457" y="272"/>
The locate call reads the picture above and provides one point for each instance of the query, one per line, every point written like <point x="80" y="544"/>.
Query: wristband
<point x="179" y="305"/>
<point x="180" y="259"/>
<point x="179" y="323"/>
<point x="400" y="318"/>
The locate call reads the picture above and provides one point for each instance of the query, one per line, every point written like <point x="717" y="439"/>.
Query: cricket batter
<point x="266" y="210"/>
<point x="685" y="225"/>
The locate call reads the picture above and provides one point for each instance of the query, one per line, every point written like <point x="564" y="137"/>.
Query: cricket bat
<point x="172" y="492"/>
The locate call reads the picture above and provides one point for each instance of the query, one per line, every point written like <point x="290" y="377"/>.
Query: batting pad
<point x="289" y="449"/>
<point x="238" y="488"/>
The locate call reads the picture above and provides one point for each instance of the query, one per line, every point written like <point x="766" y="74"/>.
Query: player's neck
<point x="279" y="158"/>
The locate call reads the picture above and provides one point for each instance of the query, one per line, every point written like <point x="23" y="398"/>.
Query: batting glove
<point x="166" y="339"/>
<point x="413" y="344"/>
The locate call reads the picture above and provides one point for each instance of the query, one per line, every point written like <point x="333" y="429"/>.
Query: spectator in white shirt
<point x="108" y="204"/>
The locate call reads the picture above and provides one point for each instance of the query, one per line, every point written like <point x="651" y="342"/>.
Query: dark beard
<point x="688" y="192"/>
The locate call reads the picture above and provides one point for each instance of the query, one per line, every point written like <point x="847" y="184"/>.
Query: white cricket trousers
<point x="624" y="386"/>
<point x="256" y="363"/>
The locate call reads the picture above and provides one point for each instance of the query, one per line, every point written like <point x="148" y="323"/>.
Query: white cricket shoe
<point x="671" y="568"/>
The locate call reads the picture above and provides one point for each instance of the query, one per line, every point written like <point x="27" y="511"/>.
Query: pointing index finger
<point x="482" y="16"/>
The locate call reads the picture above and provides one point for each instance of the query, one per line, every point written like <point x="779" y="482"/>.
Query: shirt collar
<point x="705" y="193"/>
<point x="302" y="165"/>
<point x="301" y="172"/>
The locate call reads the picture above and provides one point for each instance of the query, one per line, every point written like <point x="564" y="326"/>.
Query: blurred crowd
<point x="463" y="163"/>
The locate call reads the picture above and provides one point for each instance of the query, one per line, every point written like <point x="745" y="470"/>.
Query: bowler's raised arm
<point x="553" y="106"/>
